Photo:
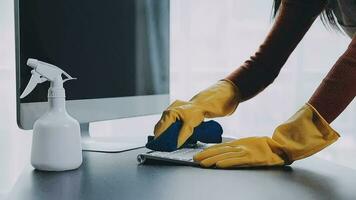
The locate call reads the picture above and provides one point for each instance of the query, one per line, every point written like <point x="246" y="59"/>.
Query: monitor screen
<point x="115" y="48"/>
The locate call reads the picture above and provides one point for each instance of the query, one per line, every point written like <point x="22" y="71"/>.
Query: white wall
<point x="210" y="38"/>
<point x="14" y="144"/>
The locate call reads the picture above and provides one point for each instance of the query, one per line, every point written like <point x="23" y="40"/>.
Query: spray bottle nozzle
<point x="42" y="72"/>
<point x="32" y="62"/>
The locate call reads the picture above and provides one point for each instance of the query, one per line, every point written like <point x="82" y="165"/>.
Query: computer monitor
<point x="117" y="50"/>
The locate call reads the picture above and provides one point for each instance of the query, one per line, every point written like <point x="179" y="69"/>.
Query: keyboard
<point x="181" y="156"/>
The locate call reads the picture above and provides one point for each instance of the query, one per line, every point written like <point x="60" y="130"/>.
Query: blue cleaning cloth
<point x="207" y="132"/>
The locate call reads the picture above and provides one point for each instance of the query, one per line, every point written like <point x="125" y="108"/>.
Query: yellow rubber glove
<point x="219" y="100"/>
<point x="304" y="134"/>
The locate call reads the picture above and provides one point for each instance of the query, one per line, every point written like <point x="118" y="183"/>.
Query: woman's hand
<point x="252" y="151"/>
<point x="219" y="100"/>
<point x="303" y="135"/>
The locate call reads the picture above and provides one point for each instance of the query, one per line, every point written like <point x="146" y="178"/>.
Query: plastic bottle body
<point x="56" y="144"/>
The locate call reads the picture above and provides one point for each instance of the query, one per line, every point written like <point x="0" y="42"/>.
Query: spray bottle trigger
<point x="35" y="79"/>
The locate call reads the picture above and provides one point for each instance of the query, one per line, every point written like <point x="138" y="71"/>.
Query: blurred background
<point x="209" y="39"/>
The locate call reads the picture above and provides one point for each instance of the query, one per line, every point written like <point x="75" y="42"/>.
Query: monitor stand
<point x="104" y="144"/>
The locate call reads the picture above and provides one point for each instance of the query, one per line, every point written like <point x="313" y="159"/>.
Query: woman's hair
<point x="327" y="16"/>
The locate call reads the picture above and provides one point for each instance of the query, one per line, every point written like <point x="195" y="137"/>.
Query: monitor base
<point x="104" y="144"/>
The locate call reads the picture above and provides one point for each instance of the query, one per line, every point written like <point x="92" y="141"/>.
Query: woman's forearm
<point x="338" y="88"/>
<point x="293" y="21"/>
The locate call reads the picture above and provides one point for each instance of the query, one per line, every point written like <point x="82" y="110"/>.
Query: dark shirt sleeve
<point x="293" y="20"/>
<point x="338" y="88"/>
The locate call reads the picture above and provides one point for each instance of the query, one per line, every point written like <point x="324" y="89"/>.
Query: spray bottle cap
<point x="42" y="72"/>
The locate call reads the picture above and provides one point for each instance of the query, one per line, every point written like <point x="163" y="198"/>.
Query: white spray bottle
<point x="56" y="144"/>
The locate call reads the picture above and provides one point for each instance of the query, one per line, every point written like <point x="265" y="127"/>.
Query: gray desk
<point x="117" y="176"/>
